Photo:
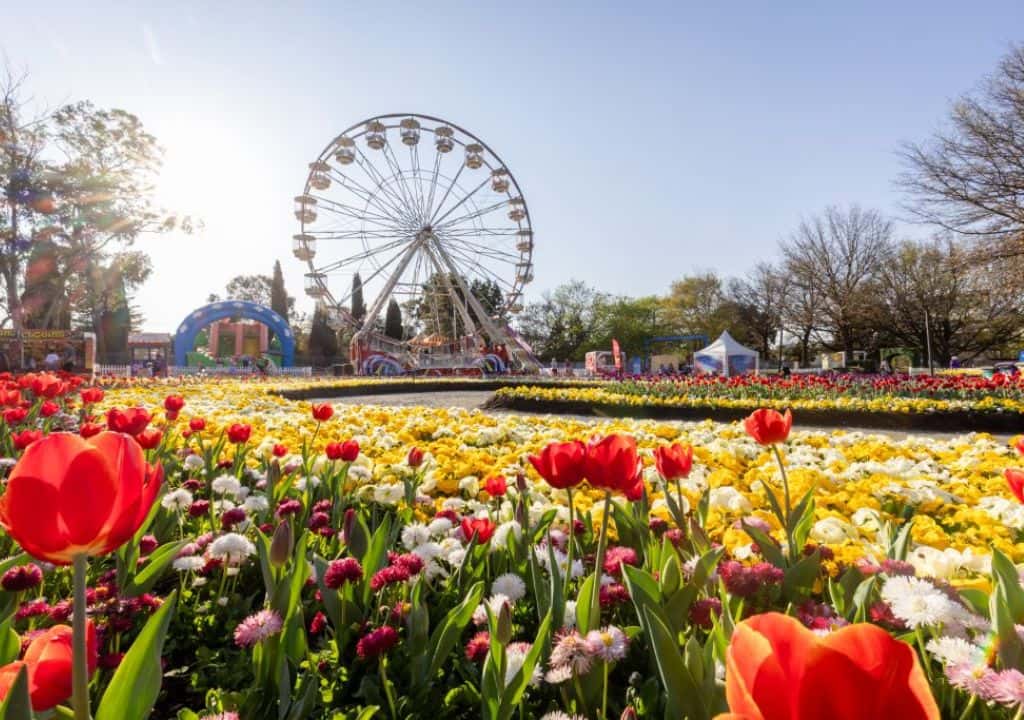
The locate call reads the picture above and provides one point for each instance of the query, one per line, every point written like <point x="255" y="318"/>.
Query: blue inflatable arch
<point x="185" y="339"/>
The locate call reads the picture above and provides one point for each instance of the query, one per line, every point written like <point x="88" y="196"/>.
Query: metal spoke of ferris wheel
<point x="480" y="268"/>
<point x="493" y="253"/>
<point x="341" y="209"/>
<point x="398" y="174"/>
<point x="378" y="200"/>
<point x="339" y="264"/>
<point x="433" y="183"/>
<point x="456" y="206"/>
<point x="447" y="192"/>
<point x="480" y="212"/>
<point x="381" y="182"/>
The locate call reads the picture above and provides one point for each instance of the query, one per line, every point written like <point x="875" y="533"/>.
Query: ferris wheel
<point x="424" y="214"/>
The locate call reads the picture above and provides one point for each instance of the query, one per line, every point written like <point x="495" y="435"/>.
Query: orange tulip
<point x="769" y="427"/>
<point x="48" y="659"/>
<point x="70" y="496"/>
<point x="776" y="669"/>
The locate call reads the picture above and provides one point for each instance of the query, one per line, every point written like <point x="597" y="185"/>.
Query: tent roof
<point x="727" y="345"/>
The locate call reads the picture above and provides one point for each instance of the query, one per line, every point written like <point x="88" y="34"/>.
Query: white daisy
<point x="955" y="651"/>
<point x="510" y="585"/>
<point x="226" y="485"/>
<point x="178" y="500"/>
<point x="414" y="535"/>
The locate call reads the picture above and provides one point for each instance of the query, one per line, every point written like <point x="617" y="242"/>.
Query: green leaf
<point x="368" y="712"/>
<point x="154" y="569"/>
<point x="10" y="643"/>
<point x="682" y="695"/>
<point x="900" y="546"/>
<point x="799" y="579"/>
<point x="770" y="550"/>
<point x="448" y="632"/>
<point x="133" y="690"/>
<point x="18" y="705"/>
<point x="1008" y="585"/>
<point x="513" y="692"/>
<point x="584" y="610"/>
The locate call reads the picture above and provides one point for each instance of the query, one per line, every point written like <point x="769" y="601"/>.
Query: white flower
<point x="388" y="494"/>
<point x="495" y="603"/>
<point x="414" y="535"/>
<point x="428" y="551"/>
<point x="226" y="485"/>
<point x="867" y="519"/>
<point x="832" y="531"/>
<point x="439" y="527"/>
<point x="193" y="462"/>
<point x="955" y="651"/>
<point x="232" y="548"/>
<point x="510" y="585"/>
<point x="917" y="602"/>
<point x="178" y="500"/>
<point x="499" y="541"/>
<point x="515" y="657"/>
<point x="729" y="498"/>
<point x="190" y="563"/>
<point x="256" y="504"/>
<point x="569" y="619"/>
<point x="609" y="643"/>
<point x="470" y="485"/>
<point x="453" y="503"/>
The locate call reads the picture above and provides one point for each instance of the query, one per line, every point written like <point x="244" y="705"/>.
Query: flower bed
<point x="305" y="561"/>
<point x="951" y="404"/>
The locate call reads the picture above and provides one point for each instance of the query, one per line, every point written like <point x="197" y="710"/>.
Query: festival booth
<point x="725" y="356"/>
<point x="76" y="351"/>
<point x="150" y="351"/>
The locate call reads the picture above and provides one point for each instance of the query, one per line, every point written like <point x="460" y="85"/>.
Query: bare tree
<point x="757" y="300"/>
<point x="835" y="258"/>
<point x="970" y="308"/>
<point x="970" y="177"/>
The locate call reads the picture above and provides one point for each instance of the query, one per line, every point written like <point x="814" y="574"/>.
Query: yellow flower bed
<point x="952" y="488"/>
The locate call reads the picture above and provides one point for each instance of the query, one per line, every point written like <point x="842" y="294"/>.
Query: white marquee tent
<point x="726" y="356"/>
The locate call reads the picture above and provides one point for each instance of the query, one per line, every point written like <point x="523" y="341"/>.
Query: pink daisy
<point x="257" y="627"/>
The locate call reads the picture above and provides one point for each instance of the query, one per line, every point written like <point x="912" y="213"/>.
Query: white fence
<point x="173" y="371"/>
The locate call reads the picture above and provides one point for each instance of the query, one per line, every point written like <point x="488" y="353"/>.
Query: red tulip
<point x="322" y="412"/>
<point x="239" y="433"/>
<point x="174" y="403"/>
<point x="197" y="424"/>
<point x="130" y="421"/>
<point x="776" y="669"/>
<point x="495" y="485"/>
<point x="10" y="398"/>
<point x="49" y="409"/>
<point x="675" y="461"/>
<point x="612" y="463"/>
<point x="415" y="458"/>
<point x="13" y="416"/>
<point x="92" y="395"/>
<point x="1020" y="446"/>
<point x="561" y="464"/>
<point x="89" y="429"/>
<point x="69" y="496"/>
<point x="48" y="386"/>
<point x="48" y="660"/>
<point x="279" y="450"/>
<point x="483" y="528"/>
<point x="25" y="438"/>
<point x="769" y="427"/>
<point x="346" y="451"/>
<point x="1015" y="479"/>
<point x="149" y="438"/>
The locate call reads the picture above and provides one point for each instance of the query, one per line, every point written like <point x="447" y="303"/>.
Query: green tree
<point x="323" y="342"/>
<point x="696" y="304"/>
<point x="358" y="304"/>
<point x="393" y="327"/>
<point x="561" y="324"/>
<point x="278" y="295"/>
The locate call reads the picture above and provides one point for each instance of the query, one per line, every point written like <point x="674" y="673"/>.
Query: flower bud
<point x="504" y="623"/>
<point x="281" y="544"/>
<point x="628" y="714"/>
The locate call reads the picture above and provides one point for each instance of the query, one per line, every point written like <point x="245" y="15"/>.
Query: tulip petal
<point x="862" y="671"/>
<point x="130" y="468"/>
<point x="764" y="665"/>
<point x="31" y="505"/>
<point x="86" y="496"/>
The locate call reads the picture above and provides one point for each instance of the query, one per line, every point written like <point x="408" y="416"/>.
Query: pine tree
<point x="323" y="342"/>
<point x="278" y="295"/>
<point x="393" y="321"/>
<point x="358" y="304"/>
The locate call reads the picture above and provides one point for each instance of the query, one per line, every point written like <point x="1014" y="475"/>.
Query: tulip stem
<point x="786" y="508"/>
<point x="80" y="659"/>
<point x="571" y="539"/>
<point x="595" y="591"/>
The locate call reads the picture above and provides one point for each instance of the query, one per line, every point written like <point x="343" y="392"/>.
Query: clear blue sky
<point x="650" y="139"/>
